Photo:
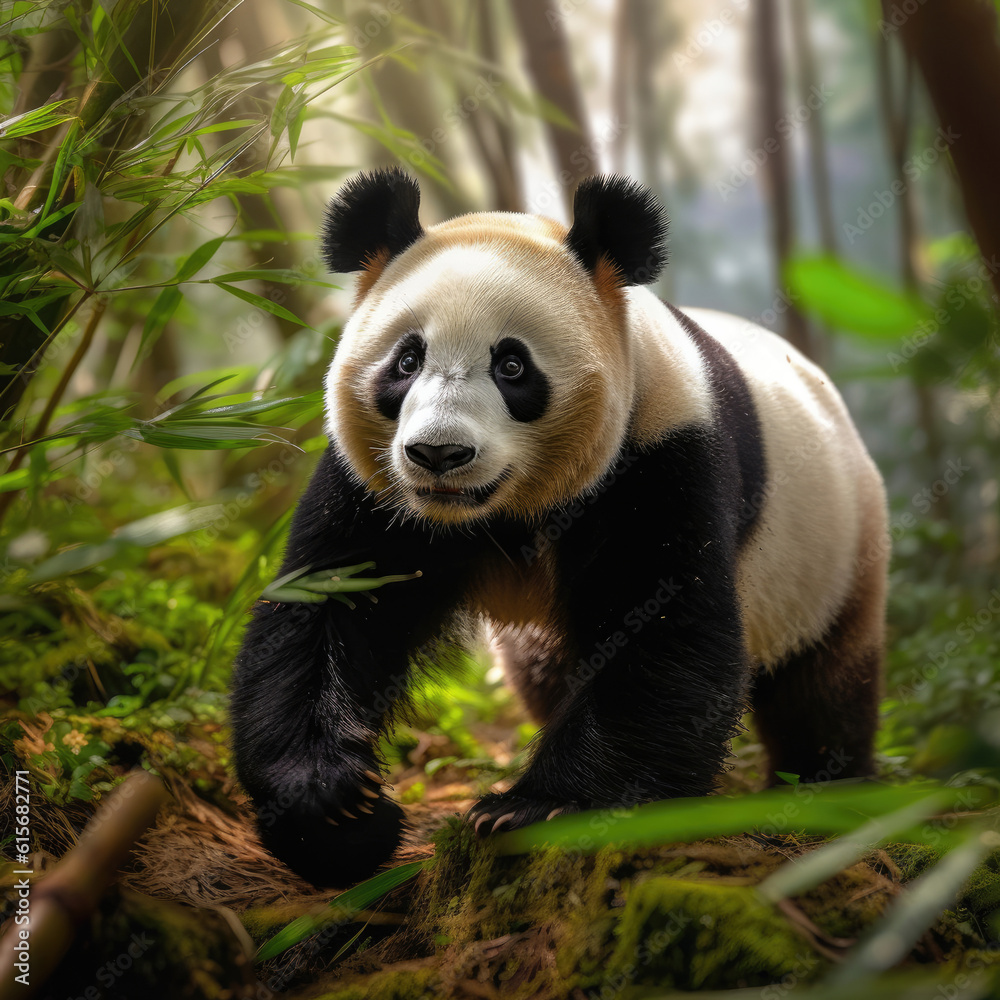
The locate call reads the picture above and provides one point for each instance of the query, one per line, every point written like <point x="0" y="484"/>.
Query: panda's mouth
<point x="473" y="496"/>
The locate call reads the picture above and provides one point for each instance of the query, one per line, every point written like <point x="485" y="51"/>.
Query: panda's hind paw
<point x="499" y="813"/>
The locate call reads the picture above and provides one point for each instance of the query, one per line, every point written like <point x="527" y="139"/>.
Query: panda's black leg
<point x="652" y="707"/>
<point x="817" y="713"/>
<point x="307" y="709"/>
<point x="658" y="677"/>
<point x="315" y="684"/>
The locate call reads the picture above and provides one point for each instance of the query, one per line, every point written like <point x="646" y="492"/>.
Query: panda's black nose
<point x="440" y="457"/>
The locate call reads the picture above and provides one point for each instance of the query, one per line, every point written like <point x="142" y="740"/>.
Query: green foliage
<point x="849" y="300"/>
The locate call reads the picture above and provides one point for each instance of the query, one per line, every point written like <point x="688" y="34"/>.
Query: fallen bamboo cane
<point x="59" y="902"/>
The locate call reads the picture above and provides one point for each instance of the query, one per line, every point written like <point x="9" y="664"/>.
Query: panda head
<point x="486" y="369"/>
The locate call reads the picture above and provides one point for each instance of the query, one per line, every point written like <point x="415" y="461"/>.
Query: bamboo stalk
<point x="61" y="900"/>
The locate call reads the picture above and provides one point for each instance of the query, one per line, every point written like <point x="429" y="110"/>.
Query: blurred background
<point x="165" y="321"/>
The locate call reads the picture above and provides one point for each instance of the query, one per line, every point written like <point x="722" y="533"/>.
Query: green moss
<point x="981" y="896"/>
<point x="694" y="935"/>
<point x="912" y="860"/>
<point x="403" y="984"/>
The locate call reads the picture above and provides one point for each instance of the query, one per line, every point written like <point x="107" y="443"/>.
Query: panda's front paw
<point x="333" y="829"/>
<point x="510" y="810"/>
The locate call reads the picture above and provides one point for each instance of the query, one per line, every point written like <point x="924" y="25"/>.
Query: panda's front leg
<point x="309" y="701"/>
<point x="651" y="703"/>
<point x="315" y="684"/>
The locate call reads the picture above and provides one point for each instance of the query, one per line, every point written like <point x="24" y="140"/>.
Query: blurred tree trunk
<point x="955" y="45"/>
<point x="897" y="117"/>
<point x="546" y="48"/>
<point x="818" y="165"/>
<point x="274" y="210"/>
<point x="818" y="161"/>
<point x="493" y="133"/>
<point x="775" y="172"/>
<point x="474" y="28"/>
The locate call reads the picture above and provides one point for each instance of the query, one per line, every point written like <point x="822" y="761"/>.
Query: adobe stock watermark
<point x="784" y="127"/>
<point x="453" y="118"/>
<point x="707" y="34"/>
<point x="923" y="500"/>
<point x="379" y="18"/>
<point x="562" y="519"/>
<point x="634" y="622"/>
<point x="898" y="16"/>
<point x="883" y="200"/>
<point x="958" y="296"/>
<point x="584" y="160"/>
<point x="250" y="324"/>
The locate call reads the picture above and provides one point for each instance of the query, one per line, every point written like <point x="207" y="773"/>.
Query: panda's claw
<point x="349" y="815"/>
<point x="506" y="818"/>
<point x="511" y="811"/>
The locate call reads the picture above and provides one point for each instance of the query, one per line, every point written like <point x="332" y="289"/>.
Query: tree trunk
<point x="955" y="46"/>
<point x="775" y="173"/>
<point x="547" y="54"/>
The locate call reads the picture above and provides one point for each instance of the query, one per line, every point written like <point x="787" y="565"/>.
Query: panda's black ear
<point x="373" y="218"/>
<point x="621" y="221"/>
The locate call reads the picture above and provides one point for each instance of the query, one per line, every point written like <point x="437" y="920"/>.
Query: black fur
<point x="738" y="424"/>
<point x="315" y="684"/>
<point x="646" y="588"/>
<point x="658" y="678"/>
<point x="373" y="213"/>
<point x="392" y="385"/>
<point x="617" y="218"/>
<point x="526" y="396"/>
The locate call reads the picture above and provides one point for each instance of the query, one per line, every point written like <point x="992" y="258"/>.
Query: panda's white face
<point x="475" y="380"/>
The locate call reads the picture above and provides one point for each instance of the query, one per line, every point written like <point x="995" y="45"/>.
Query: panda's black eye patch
<point x="523" y="385"/>
<point x="397" y="374"/>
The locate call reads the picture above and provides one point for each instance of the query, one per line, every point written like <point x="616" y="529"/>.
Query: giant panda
<point x="657" y="518"/>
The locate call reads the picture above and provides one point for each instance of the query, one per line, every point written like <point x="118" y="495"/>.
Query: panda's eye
<point x="408" y="363"/>
<point x="511" y="367"/>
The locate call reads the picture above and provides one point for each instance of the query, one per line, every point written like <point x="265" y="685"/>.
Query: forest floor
<point x="200" y="895"/>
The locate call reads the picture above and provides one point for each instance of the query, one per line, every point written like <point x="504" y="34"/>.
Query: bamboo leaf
<point x="819" y="809"/>
<point x="163" y="308"/>
<point x="817" y="866"/>
<point x="259" y="302"/>
<point x="850" y="300"/>
<point x="342" y="908"/>
<point x="198" y="259"/>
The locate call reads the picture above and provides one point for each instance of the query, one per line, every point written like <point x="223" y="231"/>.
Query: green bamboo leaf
<point x="259" y="302"/>
<point x="303" y="585"/>
<point x="145" y="532"/>
<point x="818" y="809"/>
<point x="280" y="275"/>
<point x="198" y="259"/>
<point x="255" y="406"/>
<point x="817" y="866"/>
<point x="164" y="306"/>
<point x="342" y="908"/>
<point x="847" y="299"/>
<point x="36" y="120"/>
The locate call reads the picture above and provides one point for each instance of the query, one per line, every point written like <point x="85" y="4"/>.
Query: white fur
<point x="823" y="496"/>
<point x="822" y="488"/>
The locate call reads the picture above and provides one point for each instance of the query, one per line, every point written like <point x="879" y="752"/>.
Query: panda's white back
<point x="823" y="502"/>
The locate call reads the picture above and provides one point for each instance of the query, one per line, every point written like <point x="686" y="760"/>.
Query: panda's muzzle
<point x="438" y="458"/>
<point x="471" y="495"/>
